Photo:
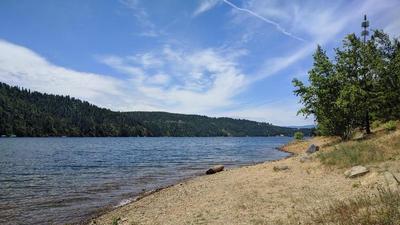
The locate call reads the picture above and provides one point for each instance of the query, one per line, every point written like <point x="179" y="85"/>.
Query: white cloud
<point x="204" y="6"/>
<point x="142" y="17"/>
<point x="204" y="80"/>
<point x="159" y="79"/>
<point x="282" y="112"/>
<point x="390" y="20"/>
<point x="21" y="66"/>
<point x="119" y="64"/>
<point x="147" y="60"/>
<point x="393" y="28"/>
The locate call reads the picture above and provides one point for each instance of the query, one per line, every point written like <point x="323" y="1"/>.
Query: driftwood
<point x="215" y="169"/>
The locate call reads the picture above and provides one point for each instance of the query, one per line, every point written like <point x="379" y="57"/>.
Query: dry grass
<point x="372" y="208"/>
<point x="382" y="208"/>
<point x="377" y="148"/>
<point x="352" y="154"/>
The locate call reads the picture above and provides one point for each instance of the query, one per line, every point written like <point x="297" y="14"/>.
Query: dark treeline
<point x="26" y="113"/>
<point x="361" y="84"/>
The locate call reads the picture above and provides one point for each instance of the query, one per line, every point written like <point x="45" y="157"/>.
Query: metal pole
<point x="365" y="33"/>
<point x="365" y="25"/>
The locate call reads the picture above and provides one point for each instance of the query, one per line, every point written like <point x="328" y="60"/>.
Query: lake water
<point x="65" y="180"/>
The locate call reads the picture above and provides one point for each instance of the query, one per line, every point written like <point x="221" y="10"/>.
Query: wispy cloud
<point x="142" y="17"/>
<point x="209" y="76"/>
<point x="275" y="24"/>
<point x="330" y="24"/>
<point x="204" y="6"/>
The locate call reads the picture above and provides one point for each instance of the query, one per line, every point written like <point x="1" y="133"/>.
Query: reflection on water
<point x="64" y="180"/>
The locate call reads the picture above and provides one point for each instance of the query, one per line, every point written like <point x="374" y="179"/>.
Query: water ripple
<point x="63" y="180"/>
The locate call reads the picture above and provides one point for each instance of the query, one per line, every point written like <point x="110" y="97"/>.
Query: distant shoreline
<point x="141" y="136"/>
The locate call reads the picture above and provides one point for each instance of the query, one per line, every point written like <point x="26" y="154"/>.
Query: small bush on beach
<point x="390" y="125"/>
<point x="115" y="221"/>
<point x="382" y="208"/>
<point x="298" y="135"/>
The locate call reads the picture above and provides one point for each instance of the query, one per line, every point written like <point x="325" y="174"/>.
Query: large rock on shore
<point x="313" y="148"/>
<point x="356" y="171"/>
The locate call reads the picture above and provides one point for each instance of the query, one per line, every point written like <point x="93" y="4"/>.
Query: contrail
<point x="277" y="26"/>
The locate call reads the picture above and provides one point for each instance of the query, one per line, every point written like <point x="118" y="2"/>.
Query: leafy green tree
<point x="321" y="97"/>
<point x="361" y="84"/>
<point x="358" y="66"/>
<point x="388" y="81"/>
<point x="298" y="135"/>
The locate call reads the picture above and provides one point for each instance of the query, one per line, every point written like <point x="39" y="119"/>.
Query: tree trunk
<point x="367" y="127"/>
<point x="215" y="169"/>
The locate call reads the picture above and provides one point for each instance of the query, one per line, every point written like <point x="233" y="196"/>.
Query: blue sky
<point x="211" y="57"/>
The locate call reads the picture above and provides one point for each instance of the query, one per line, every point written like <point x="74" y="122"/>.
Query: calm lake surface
<point x="65" y="180"/>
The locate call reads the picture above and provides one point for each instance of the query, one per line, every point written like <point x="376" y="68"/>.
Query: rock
<point x="280" y="168"/>
<point x="305" y="158"/>
<point x="313" y="148"/>
<point x="360" y="137"/>
<point x="215" y="169"/>
<point x="356" y="171"/>
<point x="391" y="181"/>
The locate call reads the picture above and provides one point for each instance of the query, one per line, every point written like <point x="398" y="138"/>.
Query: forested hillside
<point x="26" y="113"/>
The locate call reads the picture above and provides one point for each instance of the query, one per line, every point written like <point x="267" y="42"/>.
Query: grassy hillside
<point x="381" y="145"/>
<point x="26" y="113"/>
<point x="380" y="152"/>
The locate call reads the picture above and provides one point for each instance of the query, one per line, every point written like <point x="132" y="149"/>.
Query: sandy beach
<point x="259" y="194"/>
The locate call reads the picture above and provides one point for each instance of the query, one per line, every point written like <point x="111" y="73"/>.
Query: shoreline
<point x="269" y="192"/>
<point x="135" y="198"/>
<point x="283" y="192"/>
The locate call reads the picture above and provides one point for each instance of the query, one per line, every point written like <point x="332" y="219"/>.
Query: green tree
<point x="363" y="82"/>
<point x="356" y="66"/>
<point x="321" y="97"/>
<point x="298" y="135"/>
<point x="388" y="82"/>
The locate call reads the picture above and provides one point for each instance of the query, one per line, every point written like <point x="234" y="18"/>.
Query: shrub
<point x="115" y="221"/>
<point x="298" y="135"/>
<point x="390" y="125"/>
